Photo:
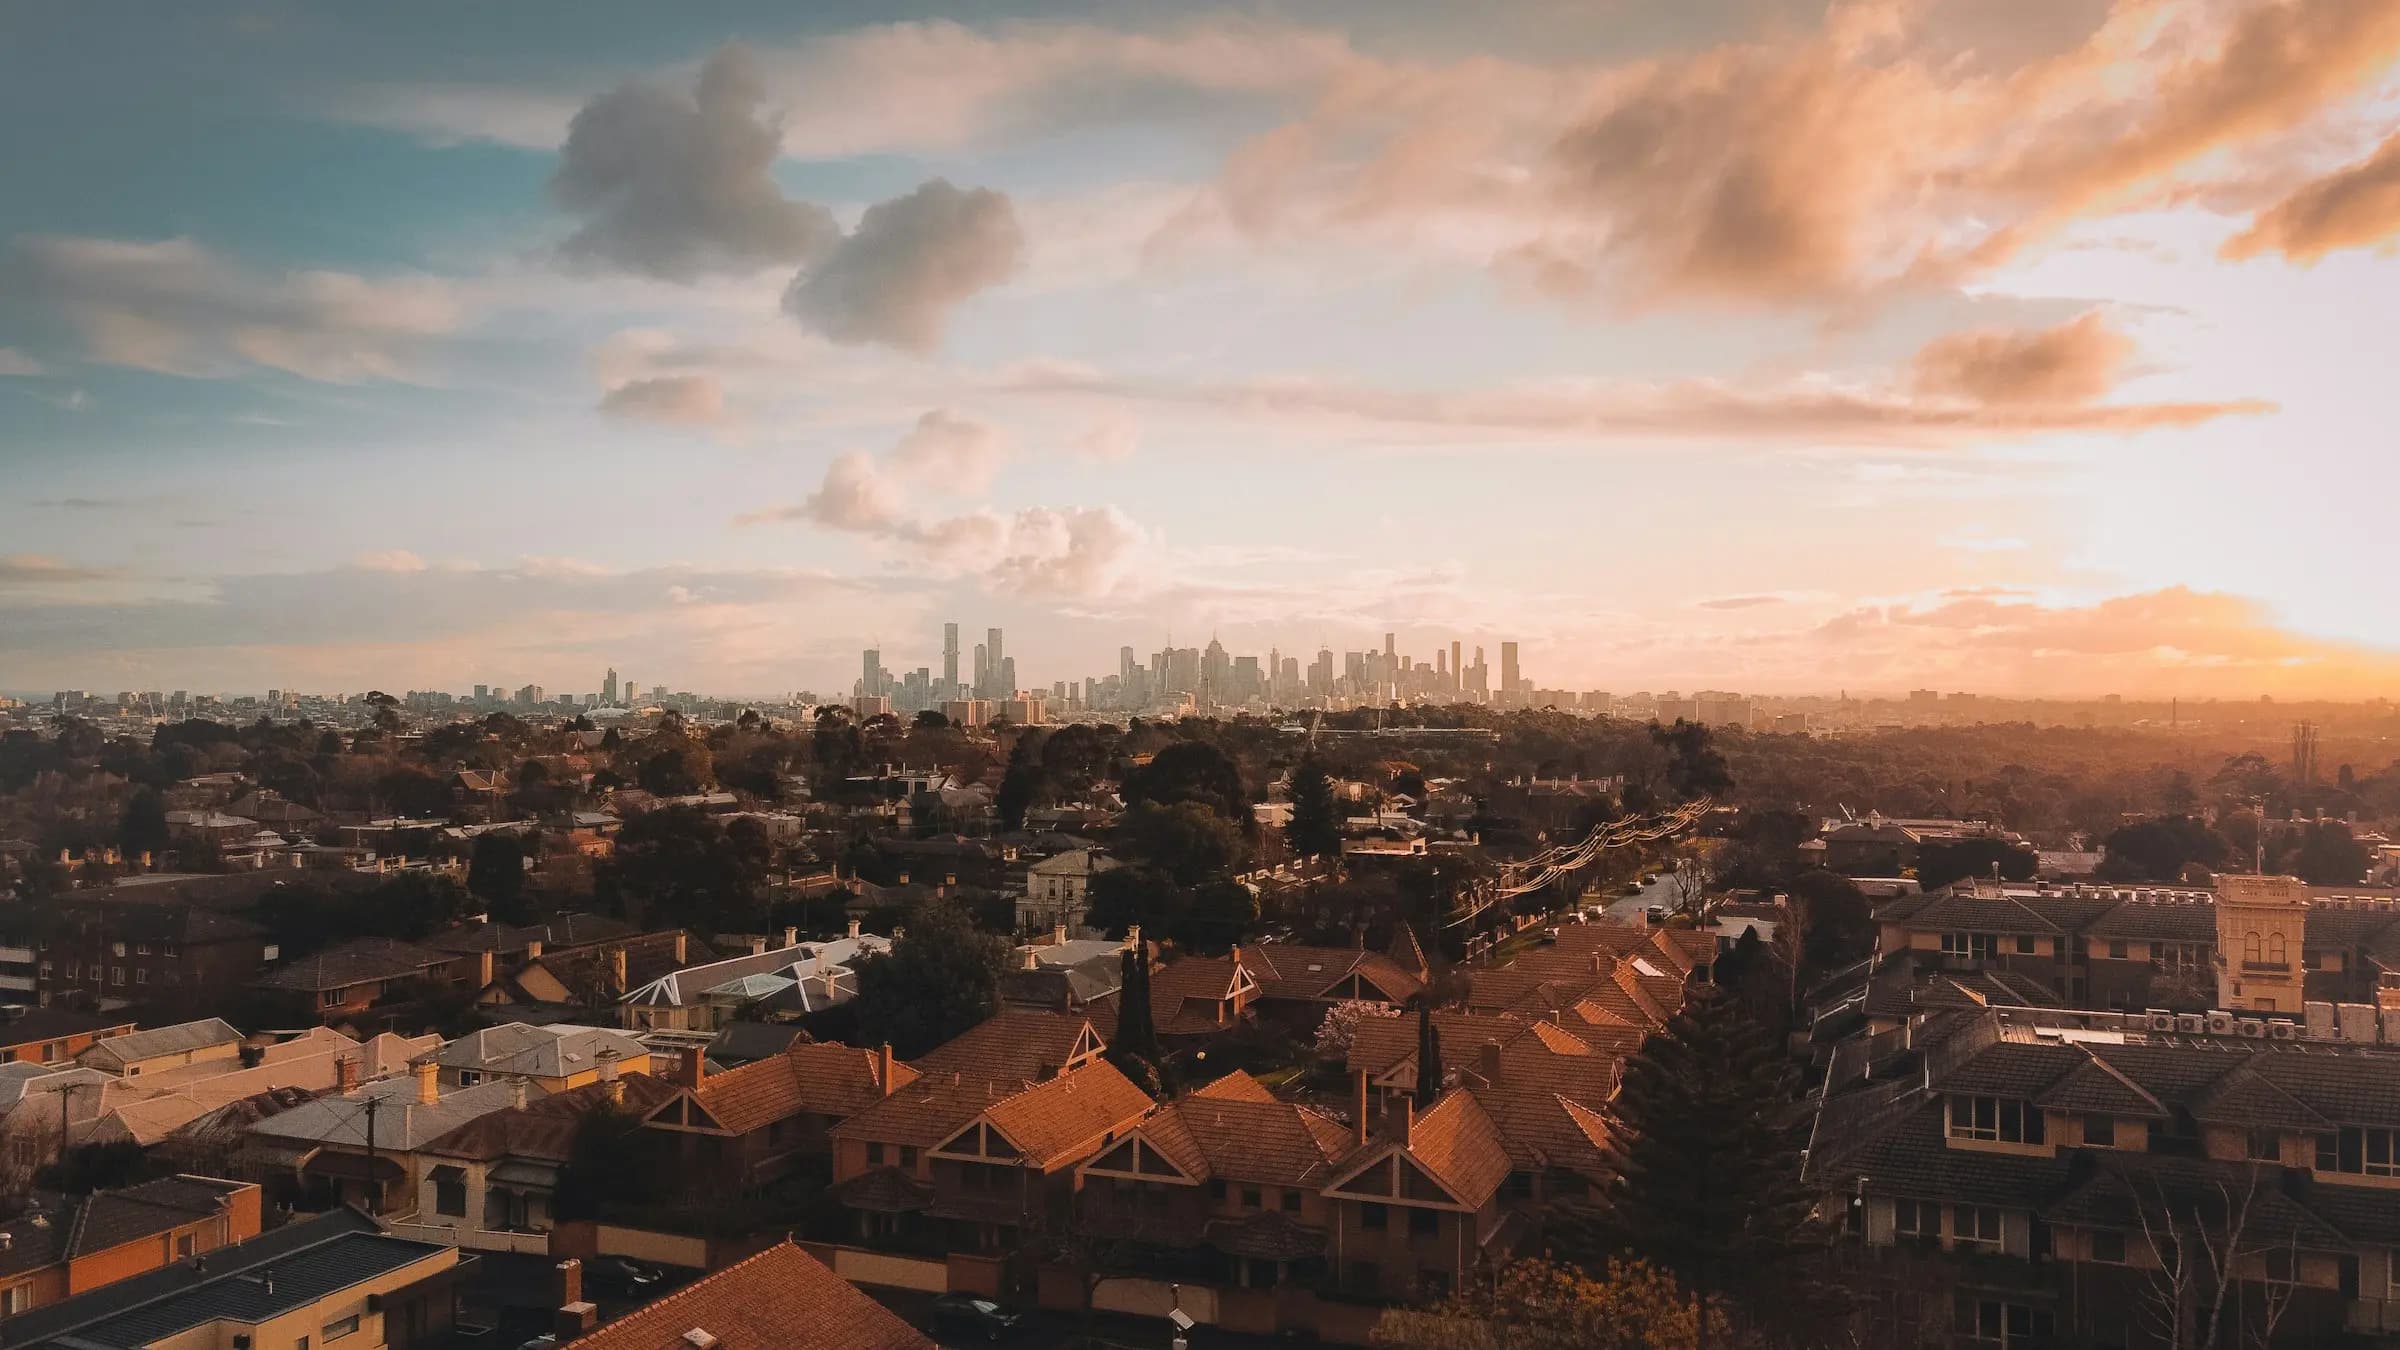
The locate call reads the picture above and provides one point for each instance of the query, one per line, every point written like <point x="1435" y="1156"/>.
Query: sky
<point x="1783" y="347"/>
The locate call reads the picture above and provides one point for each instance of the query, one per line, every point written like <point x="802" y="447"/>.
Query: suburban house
<point x="1009" y="1170"/>
<point x="164" y="1049"/>
<point x="1297" y="984"/>
<point x="492" y="1183"/>
<point x="1416" y="1207"/>
<point x="552" y="1058"/>
<point x="748" y="1127"/>
<point x="780" y="1299"/>
<point x="317" y="1282"/>
<point x="53" y="1035"/>
<point x="1058" y="888"/>
<point x="358" y="1146"/>
<point x="1229" y="1170"/>
<point x="579" y="979"/>
<point x="98" y="1239"/>
<point x="350" y="979"/>
<point x="704" y="997"/>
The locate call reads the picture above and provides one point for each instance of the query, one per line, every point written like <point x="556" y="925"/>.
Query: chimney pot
<point x="852" y="931"/>
<point x="758" y="946"/>
<point x="791" y="937"/>
<point x="680" y="958"/>
<point x="1058" y="935"/>
<point x="1033" y="959"/>
<point x="429" y="1083"/>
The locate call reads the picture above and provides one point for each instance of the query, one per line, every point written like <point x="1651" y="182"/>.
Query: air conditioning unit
<point x="2220" y="1024"/>
<point x="2282" y="1031"/>
<point x="2161" y="1021"/>
<point x="2192" y="1023"/>
<point x="2252" y="1028"/>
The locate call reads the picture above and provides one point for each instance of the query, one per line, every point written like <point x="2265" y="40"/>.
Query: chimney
<point x="680" y="958"/>
<point x="691" y="1069"/>
<point x="483" y="970"/>
<point x="1358" y="1109"/>
<point x="1033" y="960"/>
<point x="758" y="946"/>
<point x="519" y="1092"/>
<point x="883" y="1069"/>
<point x="575" y="1315"/>
<point x="1058" y="935"/>
<point x="852" y="931"/>
<point x="791" y="937"/>
<point x="1133" y="937"/>
<point x="1490" y="1062"/>
<point x="429" y="1085"/>
<point x="611" y="1084"/>
<point x="345" y="1072"/>
<point x="1406" y="1122"/>
<point x="533" y="950"/>
<point x="616" y="965"/>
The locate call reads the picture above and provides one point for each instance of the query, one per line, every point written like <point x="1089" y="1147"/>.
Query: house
<point x="114" y="949"/>
<point x="492" y="1183"/>
<point x="1227" y="1169"/>
<point x="513" y="946"/>
<point x="352" y="979"/>
<point x="780" y="1299"/>
<point x="1017" y="1045"/>
<point x="1297" y="984"/>
<point x="1058" y="888"/>
<point x="748" y="1127"/>
<point x="707" y="996"/>
<point x="358" y="1146"/>
<point x="554" y="1058"/>
<point x="1008" y="1171"/>
<point x="586" y="978"/>
<point x="1416" y="1208"/>
<point x="1199" y="996"/>
<point x="53" y="1035"/>
<point x="98" y="1239"/>
<point x="2032" y="1171"/>
<point x="162" y="1049"/>
<point x="318" y="1281"/>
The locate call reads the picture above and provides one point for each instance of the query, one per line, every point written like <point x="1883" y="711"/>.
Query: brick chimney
<point x="1033" y="959"/>
<point x="429" y="1083"/>
<point x="520" y="1092"/>
<point x="1489" y="1063"/>
<point x="758" y="945"/>
<point x="533" y="950"/>
<point x="483" y="970"/>
<point x="680" y="939"/>
<point x="575" y="1314"/>
<point x="691" y="1067"/>
<point x="346" y="1072"/>
<point x="1405" y="1122"/>
<point x="1358" y="1108"/>
<point x="791" y="937"/>
<point x="883" y="1069"/>
<point x="616" y="965"/>
<point x="612" y="1084"/>
<point x="1058" y="935"/>
<point x="1133" y="937"/>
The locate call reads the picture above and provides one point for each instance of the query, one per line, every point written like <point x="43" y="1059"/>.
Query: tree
<point x="1539" y="1305"/>
<point x="1429" y="1055"/>
<point x="2328" y="856"/>
<point x="2204" y="1237"/>
<point x="1190" y="771"/>
<point x="682" y="867"/>
<point x="1695" y="767"/>
<point x="673" y="765"/>
<point x="496" y="876"/>
<point x="1315" y="829"/>
<point x="1186" y="841"/>
<point x="144" y="828"/>
<point x="1706" y="1175"/>
<point x="1134" y="1049"/>
<point x="1020" y="784"/>
<point x="2160" y="850"/>
<point x="1837" y="925"/>
<point x="1340" y="1027"/>
<point x="941" y="978"/>
<point x="1940" y="864"/>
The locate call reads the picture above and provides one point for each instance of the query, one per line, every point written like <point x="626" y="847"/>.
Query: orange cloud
<point x="2356" y="207"/>
<point x="2075" y="362"/>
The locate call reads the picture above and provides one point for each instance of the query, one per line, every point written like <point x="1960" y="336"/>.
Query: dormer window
<point x="2004" y="1120"/>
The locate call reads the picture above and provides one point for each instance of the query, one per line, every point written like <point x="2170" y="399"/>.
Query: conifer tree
<point x="1315" y="829"/>
<point x="1135" y="1049"/>
<point x="1429" y="1055"/>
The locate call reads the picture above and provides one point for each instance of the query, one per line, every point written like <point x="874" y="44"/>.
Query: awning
<point x="544" y="1175"/>
<point x="354" y="1167"/>
<point x="448" y="1172"/>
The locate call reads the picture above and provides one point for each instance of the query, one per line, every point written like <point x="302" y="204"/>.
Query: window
<point x="1217" y="1191"/>
<point x="346" y="1326"/>
<point x="1972" y="946"/>
<point x="1999" y="1119"/>
<point x="2100" y="1131"/>
<point x="2116" y="949"/>
<point x="1979" y="1224"/>
<point x="141" y="976"/>
<point x="1424" y="1222"/>
<point x="2024" y="946"/>
<point x="141" y="949"/>
<point x="2275" y="948"/>
<point x="2250" y="946"/>
<point x="45" y="970"/>
<point x="2265" y="1145"/>
<point x="116" y="974"/>
<point x="184" y="1245"/>
<point x="2108" y="1245"/>
<point x="16" y="1299"/>
<point x="2373" y="1153"/>
<point x="874" y="1155"/>
<point x="450" y="1197"/>
<point x="1250" y="1198"/>
<point x="469" y="1077"/>
<point x="116" y="949"/>
<point x="2282" y="1265"/>
<point x="1374" y="1217"/>
<point x="1291" y="1202"/>
<point x="1991" y="1322"/>
<point x="1916" y="1218"/>
<point x="74" y="970"/>
<point x="908" y="1156"/>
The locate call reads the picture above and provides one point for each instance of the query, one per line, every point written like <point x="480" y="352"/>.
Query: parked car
<point x="627" y="1275"/>
<point x="965" y="1314"/>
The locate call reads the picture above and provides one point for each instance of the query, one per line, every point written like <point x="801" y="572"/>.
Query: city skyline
<point x="1753" y="344"/>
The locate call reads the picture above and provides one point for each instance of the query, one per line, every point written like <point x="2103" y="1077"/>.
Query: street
<point x="1050" y="1329"/>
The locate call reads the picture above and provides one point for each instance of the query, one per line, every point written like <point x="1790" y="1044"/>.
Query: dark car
<point x="631" y="1277"/>
<point x="965" y="1314"/>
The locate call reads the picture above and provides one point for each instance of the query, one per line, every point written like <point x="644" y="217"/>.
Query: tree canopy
<point x="941" y="978"/>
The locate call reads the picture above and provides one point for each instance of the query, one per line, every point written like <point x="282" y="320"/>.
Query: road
<point x="1059" y="1328"/>
<point x="1631" y="908"/>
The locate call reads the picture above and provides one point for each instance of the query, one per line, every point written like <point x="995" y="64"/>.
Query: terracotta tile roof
<point x="1289" y="972"/>
<point x="1236" y="1087"/>
<point x="1380" y="1044"/>
<point x="1195" y="995"/>
<point x="545" y="1127"/>
<point x="1234" y="1130"/>
<point x="1266" y="1236"/>
<point x="927" y="1111"/>
<point x="828" y="1079"/>
<point x="1056" y="1123"/>
<point x="1015" y="1045"/>
<point x="1457" y="1141"/>
<point x="780" y="1299"/>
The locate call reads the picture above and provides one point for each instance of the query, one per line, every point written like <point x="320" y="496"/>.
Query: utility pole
<point x="373" y="1103"/>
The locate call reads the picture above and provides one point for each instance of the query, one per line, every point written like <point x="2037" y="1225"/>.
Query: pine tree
<point x="1135" y="1049"/>
<point x="1315" y="829"/>
<point x="1429" y="1055"/>
<point x="1707" y="1179"/>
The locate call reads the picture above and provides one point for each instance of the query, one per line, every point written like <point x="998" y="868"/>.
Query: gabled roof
<point x="1235" y="1130"/>
<point x="1052" y="1124"/>
<point x="565" y="932"/>
<point x="557" y="1051"/>
<point x="360" y="961"/>
<point x="401" y="1121"/>
<point x="1016" y="1045"/>
<point x="1457" y="1142"/>
<point x="828" y="1079"/>
<point x="1291" y="972"/>
<point x="2097" y="1087"/>
<point x="182" y="1038"/>
<point x="544" y="1129"/>
<point x="1191" y="996"/>
<point x="780" y="1299"/>
<point x="927" y="1111"/>
<point x="114" y="1218"/>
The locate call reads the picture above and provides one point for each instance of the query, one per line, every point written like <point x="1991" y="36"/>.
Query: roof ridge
<point x="701" y="1283"/>
<point x="2114" y="1072"/>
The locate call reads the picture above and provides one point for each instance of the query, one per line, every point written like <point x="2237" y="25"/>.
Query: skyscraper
<point x="870" y="680"/>
<point x="1509" y="684"/>
<point x="950" y="657"/>
<point x="608" y="688"/>
<point x="995" y="663"/>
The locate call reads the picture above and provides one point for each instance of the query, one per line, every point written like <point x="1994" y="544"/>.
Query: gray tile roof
<point x="181" y="1038"/>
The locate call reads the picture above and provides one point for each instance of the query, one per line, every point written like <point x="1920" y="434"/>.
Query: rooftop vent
<point x="699" y="1339"/>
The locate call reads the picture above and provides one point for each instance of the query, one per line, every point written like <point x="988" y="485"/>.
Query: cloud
<point x="689" y="400"/>
<point x="2073" y="363"/>
<point x="1109" y="440"/>
<point x="1963" y="389"/>
<point x="14" y="362"/>
<point x="682" y="187"/>
<point x="389" y="560"/>
<point x="173" y="306"/>
<point x="952" y="453"/>
<point x="2355" y="207"/>
<point x="1741" y="601"/>
<point x="912" y="260"/>
<point x="38" y="569"/>
<point x="855" y="496"/>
